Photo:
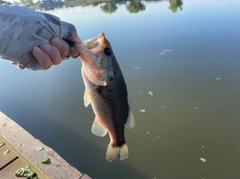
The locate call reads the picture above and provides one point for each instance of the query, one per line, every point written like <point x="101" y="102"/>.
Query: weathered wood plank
<point x="25" y="145"/>
<point x="8" y="172"/>
<point x="85" y="176"/>
<point x="5" y="159"/>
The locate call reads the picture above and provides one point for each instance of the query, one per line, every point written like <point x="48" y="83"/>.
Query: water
<point x="189" y="60"/>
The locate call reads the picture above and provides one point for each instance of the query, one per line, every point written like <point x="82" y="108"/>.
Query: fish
<point x="106" y="91"/>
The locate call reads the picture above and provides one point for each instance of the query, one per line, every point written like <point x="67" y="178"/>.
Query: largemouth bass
<point x="106" y="91"/>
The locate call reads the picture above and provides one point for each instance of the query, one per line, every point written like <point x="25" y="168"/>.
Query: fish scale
<point x="116" y="112"/>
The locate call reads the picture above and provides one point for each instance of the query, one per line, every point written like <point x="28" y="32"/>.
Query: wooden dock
<point x="21" y="149"/>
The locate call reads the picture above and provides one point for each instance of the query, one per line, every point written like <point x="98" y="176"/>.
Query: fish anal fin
<point x="86" y="98"/>
<point x="98" y="129"/>
<point x="131" y="120"/>
<point x="114" y="152"/>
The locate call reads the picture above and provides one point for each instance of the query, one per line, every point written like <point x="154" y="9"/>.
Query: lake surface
<point x="181" y="65"/>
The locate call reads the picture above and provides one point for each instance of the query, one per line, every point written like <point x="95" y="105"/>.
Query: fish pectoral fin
<point x="98" y="79"/>
<point x="99" y="82"/>
<point x="86" y="98"/>
<point x="98" y="129"/>
<point x="131" y="120"/>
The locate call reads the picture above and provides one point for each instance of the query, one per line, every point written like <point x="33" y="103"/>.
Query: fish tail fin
<point x="116" y="151"/>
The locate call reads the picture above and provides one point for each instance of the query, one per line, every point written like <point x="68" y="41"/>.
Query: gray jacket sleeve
<point x="21" y="29"/>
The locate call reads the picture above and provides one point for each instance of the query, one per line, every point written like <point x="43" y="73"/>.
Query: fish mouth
<point x="92" y="47"/>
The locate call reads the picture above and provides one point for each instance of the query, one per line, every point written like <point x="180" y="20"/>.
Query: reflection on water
<point x="182" y="73"/>
<point x="133" y="6"/>
<point x="50" y="5"/>
<point x="175" y="5"/>
<point x="109" y="7"/>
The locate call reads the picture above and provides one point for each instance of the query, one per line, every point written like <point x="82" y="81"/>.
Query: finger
<point x="52" y="52"/>
<point x="61" y="45"/>
<point x="42" y="58"/>
<point x="74" y="53"/>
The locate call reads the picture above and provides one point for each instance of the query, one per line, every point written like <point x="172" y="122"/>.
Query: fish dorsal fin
<point x="98" y="129"/>
<point x="131" y="120"/>
<point x="86" y="98"/>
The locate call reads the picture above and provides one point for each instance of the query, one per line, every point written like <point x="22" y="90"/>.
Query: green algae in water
<point x="203" y="160"/>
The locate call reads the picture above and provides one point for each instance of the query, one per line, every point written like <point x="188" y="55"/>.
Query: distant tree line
<point x="4" y="2"/>
<point x="132" y="6"/>
<point x="135" y="6"/>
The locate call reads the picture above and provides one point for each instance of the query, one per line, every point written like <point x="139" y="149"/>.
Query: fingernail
<point x="76" y="56"/>
<point x="46" y="47"/>
<point x="56" y="42"/>
<point x="66" y="57"/>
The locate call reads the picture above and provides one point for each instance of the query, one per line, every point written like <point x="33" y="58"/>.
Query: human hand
<point x="33" y="40"/>
<point x="52" y="53"/>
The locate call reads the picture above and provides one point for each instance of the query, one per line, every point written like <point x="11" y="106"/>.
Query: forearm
<point x="21" y="29"/>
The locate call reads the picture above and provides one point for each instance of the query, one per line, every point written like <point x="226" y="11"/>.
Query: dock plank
<point x="8" y="172"/>
<point x="5" y="159"/>
<point x="25" y="146"/>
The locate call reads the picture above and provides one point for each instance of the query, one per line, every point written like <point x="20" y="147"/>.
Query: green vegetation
<point x="4" y="2"/>
<point x="1" y="143"/>
<point x="45" y="160"/>
<point x="26" y="172"/>
<point x="135" y="6"/>
<point x="175" y="4"/>
<point x="107" y="6"/>
<point x="26" y="2"/>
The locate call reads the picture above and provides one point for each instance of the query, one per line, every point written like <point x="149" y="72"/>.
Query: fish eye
<point x="107" y="51"/>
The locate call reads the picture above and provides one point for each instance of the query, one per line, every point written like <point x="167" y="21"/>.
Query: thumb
<point x="75" y="37"/>
<point x="74" y="53"/>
